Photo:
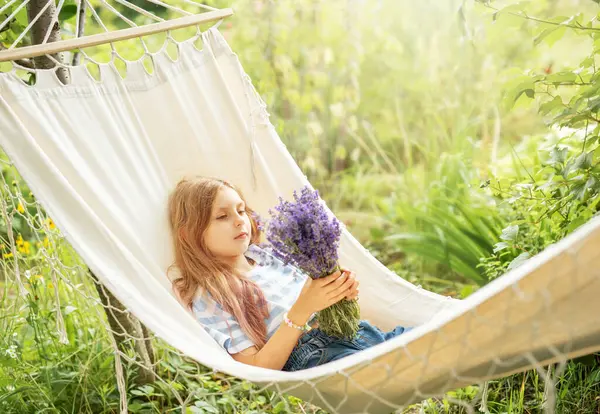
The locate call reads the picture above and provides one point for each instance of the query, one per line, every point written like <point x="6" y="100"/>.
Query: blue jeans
<point x="316" y="348"/>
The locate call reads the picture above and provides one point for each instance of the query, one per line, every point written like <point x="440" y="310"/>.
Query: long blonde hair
<point x="189" y="207"/>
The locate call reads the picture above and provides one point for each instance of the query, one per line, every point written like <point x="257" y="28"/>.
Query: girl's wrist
<point x="298" y="316"/>
<point x="305" y="327"/>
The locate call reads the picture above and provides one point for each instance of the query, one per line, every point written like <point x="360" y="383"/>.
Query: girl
<point x="259" y="310"/>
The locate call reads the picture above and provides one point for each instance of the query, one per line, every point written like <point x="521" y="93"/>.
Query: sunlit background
<point x="455" y="139"/>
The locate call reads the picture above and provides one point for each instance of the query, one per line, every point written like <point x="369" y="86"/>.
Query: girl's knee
<point x="397" y="331"/>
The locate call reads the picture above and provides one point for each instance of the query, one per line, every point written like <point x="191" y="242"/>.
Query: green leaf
<point x="561" y="77"/>
<point x="587" y="62"/>
<point x="577" y="121"/>
<point x="512" y="10"/>
<point x="591" y="140"/>
<point x="22" y="18"/>
<point x="467" y="290"/>
<point x="500" y="246"/>
<point x="455" y="255"/>
<point x="548" y="107"/>
<point x="67" y="11"/>
<point x="538" y="39"/>
<point x="583" y="161"/>
<point x="550" y="35"/>
<point x="574" y="224"/>
<point x="560" y="19"/>
<point x="135" y="407"/>
<point x="558" y="155"/>
<point x="225" y="400"/>
<point x="280" y="407"/>
<point x="518" y="261"/>
<point x="377" y="233"/>
<point x="510" y="233"/>
<point x="556" y="35"/>
<point x="206" y="407"/>
<point x="578" y="189"/>
<point x="294" y="400"/>
<point x="592" y="183"/>
<point x="520" y="89"/>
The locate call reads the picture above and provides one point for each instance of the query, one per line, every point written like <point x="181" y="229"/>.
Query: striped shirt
<point x="281" y="284"/>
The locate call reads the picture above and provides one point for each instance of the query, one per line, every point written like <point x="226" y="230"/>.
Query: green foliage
<point x="557" y="184"/>
<point x="450" y="224"/>
<point x="401" y="116"/>
<point x="17" y="24"/>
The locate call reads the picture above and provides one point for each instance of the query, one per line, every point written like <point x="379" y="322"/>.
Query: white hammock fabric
<point x="102" y="157"/>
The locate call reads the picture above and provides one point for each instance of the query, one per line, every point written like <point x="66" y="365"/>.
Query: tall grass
<point x="392" y="111"/>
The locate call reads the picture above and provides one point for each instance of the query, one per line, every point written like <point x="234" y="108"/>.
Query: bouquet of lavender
<point x="304" y="234"/>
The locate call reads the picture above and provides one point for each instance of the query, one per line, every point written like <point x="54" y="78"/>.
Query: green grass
<point x="395" y="115"/>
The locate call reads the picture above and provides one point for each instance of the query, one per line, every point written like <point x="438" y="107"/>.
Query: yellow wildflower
<point x="20" y="208"/>
<point x="50" y="223"/>
<point x="46" y="242"/>
<point x="25" y="248"/>
<point x="50" y="285"/>
<point x="7" y="255"/>
<point x="19" y="240"/>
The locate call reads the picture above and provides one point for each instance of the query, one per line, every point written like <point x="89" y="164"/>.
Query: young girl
<point x="258" y="309"/>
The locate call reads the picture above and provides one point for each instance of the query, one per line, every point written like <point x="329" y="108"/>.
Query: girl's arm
<point x="278" y="348"/>
<point x="317" y="294"/>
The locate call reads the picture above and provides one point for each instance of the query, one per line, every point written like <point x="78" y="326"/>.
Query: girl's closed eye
<point x="225" y="215"/>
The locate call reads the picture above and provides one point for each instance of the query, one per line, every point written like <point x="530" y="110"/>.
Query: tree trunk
<point x="47" y="21"/>
<point x="80" y="30"/>
<point x="128" y="332"/>
<point x="125" y="328"/>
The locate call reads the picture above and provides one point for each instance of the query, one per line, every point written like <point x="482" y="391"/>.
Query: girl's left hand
<point x="354" y="290"/>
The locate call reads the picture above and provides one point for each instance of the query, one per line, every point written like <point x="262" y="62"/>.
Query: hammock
<point x="101" y="156"/>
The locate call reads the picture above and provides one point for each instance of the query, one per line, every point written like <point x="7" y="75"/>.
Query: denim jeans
<point x="316" y="348"/>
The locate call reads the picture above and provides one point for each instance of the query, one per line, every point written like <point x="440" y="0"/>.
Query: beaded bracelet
<point x="291" y="324"/>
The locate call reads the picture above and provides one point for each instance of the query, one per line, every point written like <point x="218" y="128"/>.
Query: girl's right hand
<point x="318" y="294"/>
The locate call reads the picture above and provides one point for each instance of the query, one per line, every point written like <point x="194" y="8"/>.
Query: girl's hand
<point x="318" y="294"/>
<point x="354" y="290"/>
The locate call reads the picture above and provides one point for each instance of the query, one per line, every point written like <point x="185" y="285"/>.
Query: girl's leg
<point x="317" y="348"/>
<point x="397" y="331"/>
<point x="312" y="349"/>
<point x="373" y="335"/>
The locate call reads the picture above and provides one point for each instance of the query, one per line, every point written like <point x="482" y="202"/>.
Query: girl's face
<point x="229" y="231"/>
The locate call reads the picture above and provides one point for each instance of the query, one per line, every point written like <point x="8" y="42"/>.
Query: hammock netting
<point x="85" y="175"/>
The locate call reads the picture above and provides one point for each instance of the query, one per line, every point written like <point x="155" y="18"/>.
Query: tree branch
<point x="80" y="30"/>
<point x="535" y="19"/>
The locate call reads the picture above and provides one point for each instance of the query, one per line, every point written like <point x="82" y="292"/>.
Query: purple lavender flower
<point x="259" y="222"/>
<point x="305" y="234"/>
